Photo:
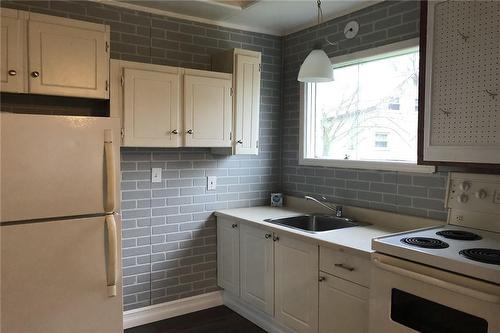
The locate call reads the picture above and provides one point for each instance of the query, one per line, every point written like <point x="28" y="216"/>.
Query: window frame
<point x="306" y="98"/>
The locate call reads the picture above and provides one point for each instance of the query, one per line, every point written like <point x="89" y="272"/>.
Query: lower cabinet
<point x="277" y="275"/>
<point x="228" y="256"/>
<point x="257" y="268"/>
<point x="343" y="306"/>
<point x="296" y="279"/>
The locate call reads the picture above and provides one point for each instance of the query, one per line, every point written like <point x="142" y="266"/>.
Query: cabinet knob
<point x="321" y="278"/>
<point x="35" y="74"/>
<point x="189" y="131"/>
<point x="267" y="236"/>
<point x="234" y="225"/>
<point x="175" y="131"/>
<point x="240" y="142"/>
<point x="276" y="238"/>
<point x="12" y="72"/>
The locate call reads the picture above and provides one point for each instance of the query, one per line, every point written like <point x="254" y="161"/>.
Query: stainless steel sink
<point x="316" y="222"/>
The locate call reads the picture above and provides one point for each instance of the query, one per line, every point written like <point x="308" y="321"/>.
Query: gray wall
<point x="169" y="231"/>
<point x="168" y="228"/>
<point x="407" y="193"/>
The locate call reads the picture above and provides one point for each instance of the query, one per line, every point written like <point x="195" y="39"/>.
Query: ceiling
<point x="277" y="17"/>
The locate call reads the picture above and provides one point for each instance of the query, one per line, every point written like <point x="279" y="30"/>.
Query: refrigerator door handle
<point x="109" y="205"/>
<point x="112" y="260"/>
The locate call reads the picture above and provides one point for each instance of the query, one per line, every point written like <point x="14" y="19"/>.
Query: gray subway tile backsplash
<point x="169" y="232"/>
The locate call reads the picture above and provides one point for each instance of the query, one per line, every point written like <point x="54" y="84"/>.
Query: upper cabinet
<point x="12" y="50"/>
<point x="207" y="108"/>
<point x="162" y="106"/>
<point x="151" y="106"/>
<point x="68" y="57"/>
<point x="246" y="68"/>
<point x="64" y="57"/>
<point x="460" y="44"/>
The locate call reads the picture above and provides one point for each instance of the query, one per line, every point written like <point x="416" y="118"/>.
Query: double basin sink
<point x="316" y="222"/>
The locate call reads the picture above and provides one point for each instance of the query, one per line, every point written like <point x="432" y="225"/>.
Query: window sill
<point x="368" y="165"/>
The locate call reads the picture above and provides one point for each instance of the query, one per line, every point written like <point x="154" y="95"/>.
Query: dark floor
<point x="219" y="319"/>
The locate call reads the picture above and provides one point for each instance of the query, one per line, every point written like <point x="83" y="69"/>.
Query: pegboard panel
<point x="465" y="98"/>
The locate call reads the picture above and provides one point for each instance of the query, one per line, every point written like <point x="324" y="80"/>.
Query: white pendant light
<point x="317" y="67"/>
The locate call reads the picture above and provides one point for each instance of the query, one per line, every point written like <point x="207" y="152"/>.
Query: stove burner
<point x="488" y="256"/>
<point x="428" y="243"/>
<point x="458" y="234"/>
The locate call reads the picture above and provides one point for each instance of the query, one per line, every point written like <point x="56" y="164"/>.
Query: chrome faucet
<point x="325" y="204"/>
<point x="334" y="208"/>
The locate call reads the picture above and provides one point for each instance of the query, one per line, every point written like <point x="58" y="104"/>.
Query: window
<point x="381" y="140"/>
<point x="349" y="122"/>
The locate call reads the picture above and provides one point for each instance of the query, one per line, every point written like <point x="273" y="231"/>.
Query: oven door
<point x="408" y="297"/>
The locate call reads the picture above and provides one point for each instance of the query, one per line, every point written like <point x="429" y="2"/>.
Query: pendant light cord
<point x="320" y="12"/>
<point x="320" y="20"/>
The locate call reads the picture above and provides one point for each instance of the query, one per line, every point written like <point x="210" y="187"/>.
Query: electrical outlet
<point x="156" y="175"/>
<point x="211" y="183"/>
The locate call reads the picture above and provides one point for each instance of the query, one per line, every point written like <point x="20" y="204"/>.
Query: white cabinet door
<point x="12" y="51"/>
<point x="257" y="268"/>
<point x="343" y="306"/>
<point x="228" y="255"/>
<point x="54" y="278"/>
<point x="462" y="101"/>
<point x="207" y="109"/>
<point x="247" y="103"/>
<point x="151" y="110"/>
<point x="68" y="57"/>
<point x="296" y="274"/>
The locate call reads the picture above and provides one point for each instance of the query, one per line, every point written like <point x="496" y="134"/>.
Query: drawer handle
<point x="346" y="267"/>
<point x="234" y="225"/>
<point x="267" y="236"/>
<point x="35" y="74"/>
<point x="189" y="131"/>
<point x="12" y="72"/>
<point x="175" y="131"/>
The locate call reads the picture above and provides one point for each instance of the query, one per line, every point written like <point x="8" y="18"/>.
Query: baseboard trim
<point x="149" y="314"/>
<point x="259" y="318"/>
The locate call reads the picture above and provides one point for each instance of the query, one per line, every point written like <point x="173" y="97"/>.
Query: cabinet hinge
<point x="107" y="46"/>
<point x="231" y="92"/>
<point x="260" y="67"/>
<point x="257" y="144"/>
<point x="230" y="135"/>
<point x="122" y="133"/>
<point x="122" y="80"/>
<point x="107" y="85"/>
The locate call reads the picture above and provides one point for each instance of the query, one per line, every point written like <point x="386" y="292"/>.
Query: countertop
<point x="356" y="238"/>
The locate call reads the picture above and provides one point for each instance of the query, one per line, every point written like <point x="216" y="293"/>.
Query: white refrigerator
<point x="60" y="231"/>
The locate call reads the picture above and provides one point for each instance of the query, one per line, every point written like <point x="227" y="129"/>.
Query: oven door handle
<point x="438" y="282"/>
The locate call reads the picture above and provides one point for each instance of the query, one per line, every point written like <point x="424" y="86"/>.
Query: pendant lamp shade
<point x="316" y="68"/>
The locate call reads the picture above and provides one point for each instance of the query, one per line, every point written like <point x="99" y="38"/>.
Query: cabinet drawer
<point x="351" y="267"/>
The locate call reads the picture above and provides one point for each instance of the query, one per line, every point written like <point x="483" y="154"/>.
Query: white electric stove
<point x="446" y="278"/>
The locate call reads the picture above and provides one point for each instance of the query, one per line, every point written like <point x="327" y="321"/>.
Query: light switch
<point x="211" y="183"/>
<point x="156" y="175"/>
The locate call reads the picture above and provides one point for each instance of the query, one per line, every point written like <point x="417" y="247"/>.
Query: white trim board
<point x="185" y="17"/>
<point x="149" y="314"/>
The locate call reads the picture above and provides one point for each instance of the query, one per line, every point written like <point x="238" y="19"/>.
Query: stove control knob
<point x="481" y="194"/>
<point x="465" y="186"/>
<point x="463" y="198"/>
